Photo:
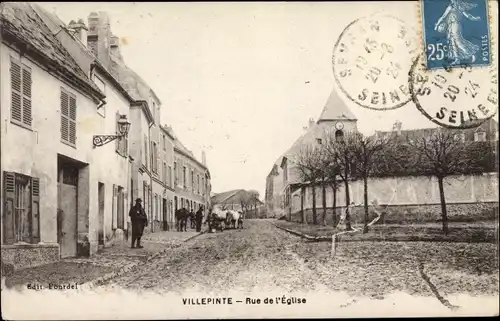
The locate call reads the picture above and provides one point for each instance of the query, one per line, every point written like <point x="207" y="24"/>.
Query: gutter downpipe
<point x="151" y="179"/>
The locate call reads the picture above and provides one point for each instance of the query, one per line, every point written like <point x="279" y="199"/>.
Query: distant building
<point x="284" y="178"/>
<point x="287" y="193"/>
<point x="238" y="200"/>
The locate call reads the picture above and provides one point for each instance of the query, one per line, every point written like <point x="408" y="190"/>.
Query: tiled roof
<point x="222" y="197"/>
<point x="22" y="23"/>
<point x="336" y="109"/>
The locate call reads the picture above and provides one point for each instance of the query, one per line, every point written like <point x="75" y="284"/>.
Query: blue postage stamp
<point x="456" y="33"/>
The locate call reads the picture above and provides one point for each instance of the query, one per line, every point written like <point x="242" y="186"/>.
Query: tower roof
<point x="335" y="109"/>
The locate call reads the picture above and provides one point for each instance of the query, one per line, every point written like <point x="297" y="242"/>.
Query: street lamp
<point x="123" y="127"/>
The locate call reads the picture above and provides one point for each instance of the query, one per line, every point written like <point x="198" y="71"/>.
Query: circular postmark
<point x="371" y="60"/>
<point x="461" y="97"/>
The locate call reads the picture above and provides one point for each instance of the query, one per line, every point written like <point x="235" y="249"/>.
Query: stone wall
<point x="29" y="255"/>
<point x="461" y="212"/>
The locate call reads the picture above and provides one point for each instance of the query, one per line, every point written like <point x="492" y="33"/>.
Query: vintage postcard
<point x="249" y="159"/>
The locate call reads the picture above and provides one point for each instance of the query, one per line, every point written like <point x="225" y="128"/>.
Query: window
<point x="164" y="173"/>
<point x="153" y="110"/>
<point x="339" y="135"/>
<point x="479" y="136"/>
<point x="154" y="157"/>
<point x="21" y="217"/>
<point x="184" y="176"/>
<point x="20" y="84"/>
<point x="164" y="143"/>
<point x="319" y="141"/>
<point x="146" y="151"/>
<point x="169" y="179"/>
<point x="102" y="86"/>
<point x="156" y="207"/>
<point x="203" y="185"/>
<point x="192" y="180"/>
<point x="198" y="184"/>
<point x="175" y="173"/>
<point x="68" y="117"/>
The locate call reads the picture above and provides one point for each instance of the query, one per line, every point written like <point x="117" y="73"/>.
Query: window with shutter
<point x="68" y="117"/>
<point x="146" y="151"/>
<point x="20" y="82"/>
<point x="21" y="221"/>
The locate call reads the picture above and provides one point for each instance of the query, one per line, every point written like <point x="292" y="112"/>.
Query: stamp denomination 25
<point x="456" y="33"/>
<point x="371" y="61"/>
<point x="458" y="98"/>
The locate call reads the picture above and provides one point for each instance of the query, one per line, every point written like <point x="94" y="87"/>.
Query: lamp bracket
<point x="100" y="140"/>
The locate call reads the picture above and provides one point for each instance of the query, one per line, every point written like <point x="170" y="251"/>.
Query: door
<point x="165" y="214"/>
<point x="68" y="216"/>
<point x="100" y="201"/>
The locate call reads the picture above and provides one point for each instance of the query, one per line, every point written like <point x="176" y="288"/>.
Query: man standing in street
<point x="199" y="217"/>
<point x="139" y="221"/>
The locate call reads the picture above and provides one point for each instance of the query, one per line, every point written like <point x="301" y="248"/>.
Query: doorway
<point x="101" y="198"/>
<point x="68" y="208"/>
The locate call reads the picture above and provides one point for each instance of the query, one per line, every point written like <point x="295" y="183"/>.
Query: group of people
<point x="139" y="221"/>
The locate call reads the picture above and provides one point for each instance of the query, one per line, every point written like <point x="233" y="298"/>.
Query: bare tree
<point x="340" y="150"/>
<point x="308" y="161"/>
<point x="364" y="150"/>
<point x="441" y="153"/>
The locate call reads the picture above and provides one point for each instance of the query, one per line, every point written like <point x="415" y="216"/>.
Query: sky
<point x="241" y="80"/>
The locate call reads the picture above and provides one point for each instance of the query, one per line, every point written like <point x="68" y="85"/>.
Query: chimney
<point x="79" y="30"/>
<point x="114" y="45"/>
<point x="99" y="36"/>
<point x="311" y="122"/>
<point x="203" y="158"/>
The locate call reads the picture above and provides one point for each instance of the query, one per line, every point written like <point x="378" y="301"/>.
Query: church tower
<point x="336" y="116"/>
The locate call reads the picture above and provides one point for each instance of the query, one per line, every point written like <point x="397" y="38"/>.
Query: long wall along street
<point x="82" y="139"/>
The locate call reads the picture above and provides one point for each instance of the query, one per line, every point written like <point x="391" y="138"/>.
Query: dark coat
<point x="139" y="219"/>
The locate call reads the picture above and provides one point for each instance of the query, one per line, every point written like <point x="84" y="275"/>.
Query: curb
<point x="377" y="239"/>
<point x="127" y="268"/>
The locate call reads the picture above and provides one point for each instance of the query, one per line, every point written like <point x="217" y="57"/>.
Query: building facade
<point x="53" y="180"/>
<point x="191" y="180"/>
<point x="61" y="195"/>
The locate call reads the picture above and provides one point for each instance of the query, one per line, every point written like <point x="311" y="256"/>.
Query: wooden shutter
<point x="72" y="119"/>
<point x="27" y="96"/>
<point x="115" y="209"/>
<point x="9" y="201"/>
<point x="35" y="209"/>
<point x="146" y="159"/>
<point x="158" y="162"/>
<point x="121" y="207"/>
<point x="64" y="116"/>
<point x="118" y="140"/>
<point x="15" y="84"/>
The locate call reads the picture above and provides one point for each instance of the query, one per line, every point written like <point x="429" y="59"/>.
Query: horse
<point x="218" y="218"/>
<point x="181" y="216"/>
<point x="235" y="216"/>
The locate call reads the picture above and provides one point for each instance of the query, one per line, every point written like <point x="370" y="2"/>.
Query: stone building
<point x="63" y="196"/>
<point x="53" y="180"/>
<point x="191" y="179"/>
<point x="283" y="181"/>
<point x="287" y="193"/>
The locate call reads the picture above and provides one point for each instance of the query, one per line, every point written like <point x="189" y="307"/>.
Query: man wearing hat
<point x="139" y="221"/>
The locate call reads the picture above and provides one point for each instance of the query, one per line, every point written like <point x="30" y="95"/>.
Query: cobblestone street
<point x="263" y="258"/>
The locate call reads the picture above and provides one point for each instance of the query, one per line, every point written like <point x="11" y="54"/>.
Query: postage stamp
<point x="456" y="33"/>
<point x="462" y="97"/>
<point x="371" y="61"/>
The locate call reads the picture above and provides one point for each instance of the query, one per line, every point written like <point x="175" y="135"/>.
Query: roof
<point x="55" y="24"/>
<point x="226" y="196"/>
<point x="222" y="197"/>
<point x="181" y="148"/>
<point x="335" y="109"/>
<point x="21" y="23"/>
